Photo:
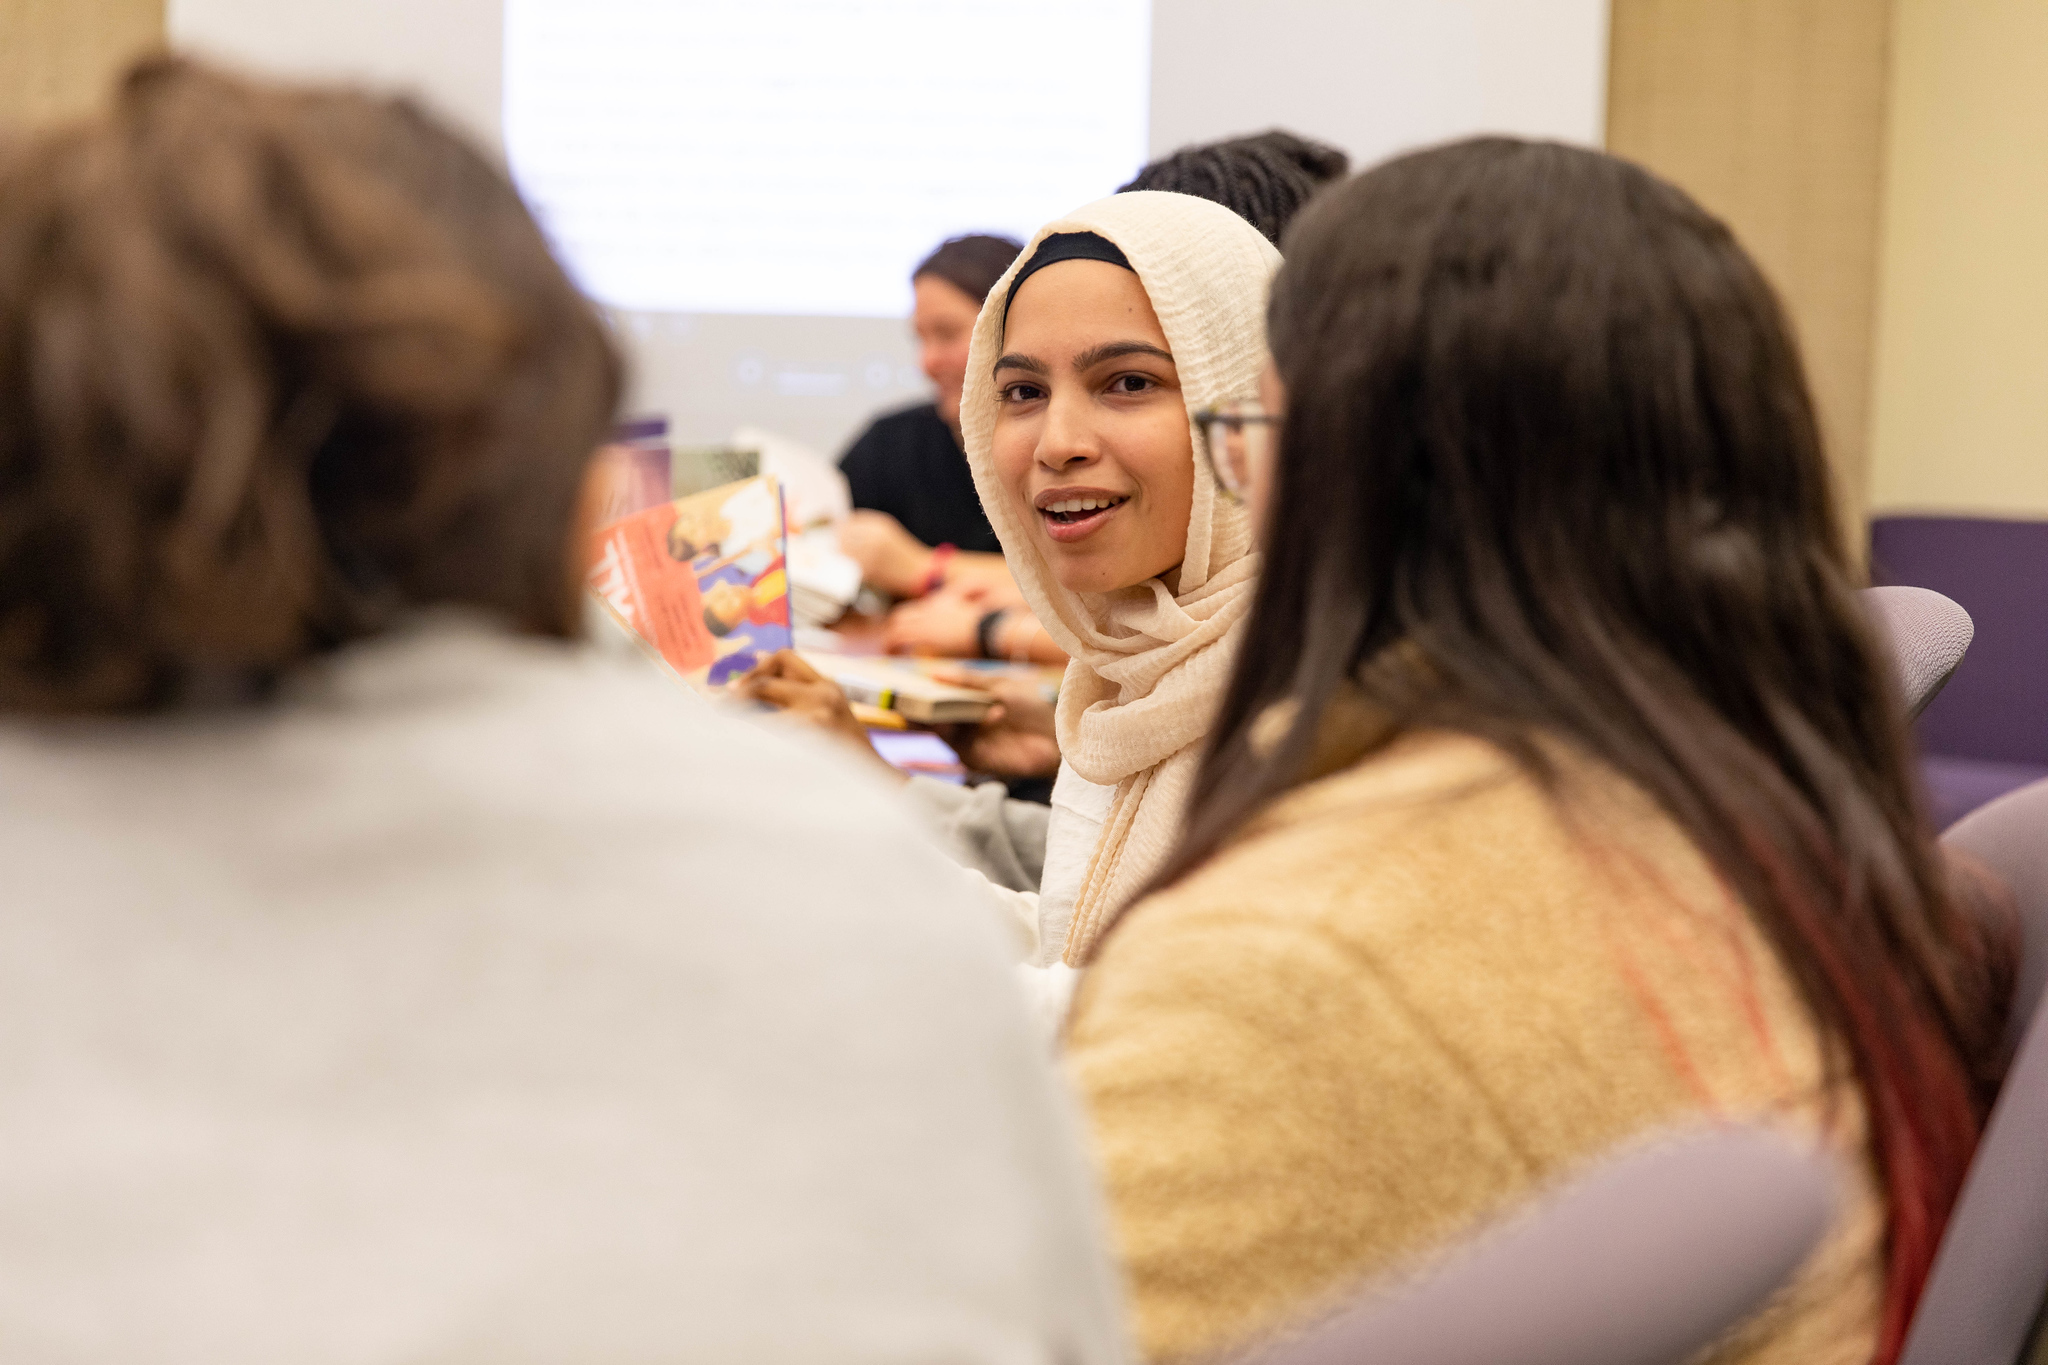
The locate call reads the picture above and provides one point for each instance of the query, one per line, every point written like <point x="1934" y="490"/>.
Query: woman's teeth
<point x="1068" y="507"/>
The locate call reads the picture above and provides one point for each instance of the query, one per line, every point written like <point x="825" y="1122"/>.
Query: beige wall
<point x="58" y="57"/>
<point x="1885" y="160"/>
<point x="1771" y="113"/>
<point x="1960" y="421"/>
<point x="1887" y="163"/>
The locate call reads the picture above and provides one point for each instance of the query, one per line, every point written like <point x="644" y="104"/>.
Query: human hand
<point x="784" y="681"/>
<point x="890" y="557"/>
<point x="942" y="623"/>
<point x="1016" y="738"/>
<point x="990" y="576"/>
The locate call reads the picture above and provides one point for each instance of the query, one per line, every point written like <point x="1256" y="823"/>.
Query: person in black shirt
<point x="909" y="465"/>
<point x="907" y="472"/>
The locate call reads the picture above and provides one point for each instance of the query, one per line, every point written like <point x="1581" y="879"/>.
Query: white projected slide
<point x="800" y="156"/>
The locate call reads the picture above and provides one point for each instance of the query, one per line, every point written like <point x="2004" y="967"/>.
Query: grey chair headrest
<point x="1649" y="1257"/>
<point x="1986" y="1284"/>
<point x="1984" y="1292"/>
<point x="1928" y="635"/>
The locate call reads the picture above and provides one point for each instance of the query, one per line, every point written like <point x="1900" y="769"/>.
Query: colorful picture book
<point x="703" y="579"/>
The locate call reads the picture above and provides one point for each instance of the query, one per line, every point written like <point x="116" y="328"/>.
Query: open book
<point x="703" y="580"/>
<point x="901" y="686"/>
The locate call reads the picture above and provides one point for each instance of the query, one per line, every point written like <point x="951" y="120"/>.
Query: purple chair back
<point x="1645" y="1261"/>
<point x="1991" y="1274"/>
<point x="1996" y="706"/>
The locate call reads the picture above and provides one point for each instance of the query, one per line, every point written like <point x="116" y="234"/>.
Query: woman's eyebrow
<point x="1113" y="350"/>
<point x="1026" y="363"/>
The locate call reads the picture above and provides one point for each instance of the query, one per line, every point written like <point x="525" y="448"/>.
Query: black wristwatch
<point x="985" y="632"/>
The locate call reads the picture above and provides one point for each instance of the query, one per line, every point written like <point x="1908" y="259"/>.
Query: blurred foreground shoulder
<point x="500" y="1000"/>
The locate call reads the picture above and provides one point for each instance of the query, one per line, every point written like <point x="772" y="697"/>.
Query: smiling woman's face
<point x="943" y="319"/>
<point x="1091" y="440"/>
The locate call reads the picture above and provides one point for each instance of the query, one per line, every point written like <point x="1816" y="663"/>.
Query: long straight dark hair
<point x="1546" y="427"/>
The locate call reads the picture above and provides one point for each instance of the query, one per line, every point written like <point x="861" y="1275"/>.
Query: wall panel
<point x="1961" y="418"/>
<point x="1772" y="113"/>
<point x="58" y="57"/>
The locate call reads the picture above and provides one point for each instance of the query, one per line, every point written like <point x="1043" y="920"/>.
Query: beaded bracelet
<point x="935" y="568"/>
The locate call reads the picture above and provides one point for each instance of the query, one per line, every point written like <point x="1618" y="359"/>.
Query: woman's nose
<point x="1066" y="439"/>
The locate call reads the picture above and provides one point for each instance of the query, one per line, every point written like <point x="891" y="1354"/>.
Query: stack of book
<point x="902" y="687"/>
<point x="823" y="583"/>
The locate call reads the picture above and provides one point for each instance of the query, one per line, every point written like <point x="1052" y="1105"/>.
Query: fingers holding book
<point x="1016" y="738"/>
<point x="789" y="685"/>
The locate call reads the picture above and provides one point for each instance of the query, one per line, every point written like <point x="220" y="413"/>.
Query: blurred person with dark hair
<point x="1264" y="179"/>
<point x="916" y="508"/>
<point x="389" y="977"/>
<point x="1560" y="793"/>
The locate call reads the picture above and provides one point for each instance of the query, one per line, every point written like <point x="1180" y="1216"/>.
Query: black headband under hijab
<point x="1064" y="246"/>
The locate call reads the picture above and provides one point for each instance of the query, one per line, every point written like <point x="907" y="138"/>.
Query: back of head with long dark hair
<point x="1546" y="426"/>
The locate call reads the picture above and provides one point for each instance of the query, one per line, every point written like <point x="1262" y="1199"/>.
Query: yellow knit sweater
<point x="1412" y="996"/>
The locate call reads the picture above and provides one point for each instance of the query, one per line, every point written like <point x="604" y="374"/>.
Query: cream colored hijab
<point x="1149" y="665"/>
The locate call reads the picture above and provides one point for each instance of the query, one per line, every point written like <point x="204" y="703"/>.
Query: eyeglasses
<point x="1236" y="439"/>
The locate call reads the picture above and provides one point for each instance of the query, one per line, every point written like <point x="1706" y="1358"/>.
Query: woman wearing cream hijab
<point x="1091" y="356"/>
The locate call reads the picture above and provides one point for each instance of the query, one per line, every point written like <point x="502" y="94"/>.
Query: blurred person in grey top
<point x="387" y="975"/>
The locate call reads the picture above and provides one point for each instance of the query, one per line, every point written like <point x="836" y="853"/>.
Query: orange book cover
<point x="702" y="579"/>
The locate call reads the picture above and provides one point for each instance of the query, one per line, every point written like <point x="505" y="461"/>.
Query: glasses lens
<point x="1236" y="436"/>
<point x="1237" y="439"/>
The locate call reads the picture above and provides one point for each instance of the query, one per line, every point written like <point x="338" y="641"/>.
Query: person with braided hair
<point x="1263" y="179"/>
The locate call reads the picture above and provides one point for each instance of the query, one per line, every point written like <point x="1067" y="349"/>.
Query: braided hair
<point x="1263" y="179"/>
